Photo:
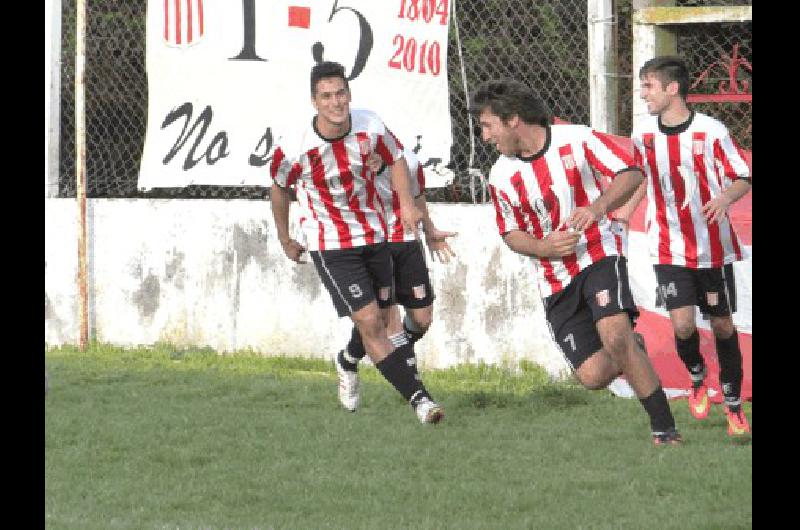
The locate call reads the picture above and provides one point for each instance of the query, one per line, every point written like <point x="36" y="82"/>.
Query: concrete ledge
<point x="689" y="15"/>
<point x="211" y="273"/>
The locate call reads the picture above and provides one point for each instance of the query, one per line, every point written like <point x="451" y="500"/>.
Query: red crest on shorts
<point x="419" y="291"/>
<point x="712" y="298"/>
<point x="602" y="298"/>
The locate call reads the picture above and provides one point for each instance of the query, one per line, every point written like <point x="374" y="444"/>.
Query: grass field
<point x="156" y="438"/>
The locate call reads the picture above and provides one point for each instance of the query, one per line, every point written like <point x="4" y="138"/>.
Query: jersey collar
<point x="541" y="151"/>
<point x="676" y="129"/>
<point x="349" y="128"/>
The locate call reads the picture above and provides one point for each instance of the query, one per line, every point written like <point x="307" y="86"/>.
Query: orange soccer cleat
<point x="699" y="403"/>
<point x="737" y="423"/>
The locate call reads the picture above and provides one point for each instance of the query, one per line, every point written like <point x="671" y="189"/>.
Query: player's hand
<point x="584" y="216"/>
<point x="374" y="162"/>
<point x="410" y="216"/>
<point x="562" y="243"/>
<point x="715" y="209"/>
<point x="294" y="250"/>
<point x="438" y="246"/>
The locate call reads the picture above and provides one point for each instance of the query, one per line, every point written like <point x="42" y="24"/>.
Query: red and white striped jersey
<point x="686" y="167"/>
<point x="538" y="194"/>
<point x="335" y="187"/>
<point x="389" y="197"/>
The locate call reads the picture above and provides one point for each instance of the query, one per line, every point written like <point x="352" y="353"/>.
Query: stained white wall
<point x="212" y="273"/>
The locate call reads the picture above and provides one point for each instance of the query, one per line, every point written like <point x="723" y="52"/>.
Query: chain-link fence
<point x="544" y="45"/>
<point x="541" y="43"/>
<point x="116" y="105"/>
<point x="707" y="48"/>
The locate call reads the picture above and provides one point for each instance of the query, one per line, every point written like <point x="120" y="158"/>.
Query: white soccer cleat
<point x="348" y="386"/>
<point x="429" y="411"/>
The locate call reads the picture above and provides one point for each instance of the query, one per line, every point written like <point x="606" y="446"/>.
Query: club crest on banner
<point x="183" y="22"/>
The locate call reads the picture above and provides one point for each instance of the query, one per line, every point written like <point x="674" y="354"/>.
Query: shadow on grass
<point x="551" y="397"/>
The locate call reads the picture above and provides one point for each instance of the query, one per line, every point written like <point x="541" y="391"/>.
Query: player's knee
<point x="598" y="371"/>
<point x="370" y="325"/>
<point x="592" y="380"/>
<point x="722" y="327"/>
<point x="423" y="319"/>
<point x="592" y="383"/>
<point x="684" y="330"/>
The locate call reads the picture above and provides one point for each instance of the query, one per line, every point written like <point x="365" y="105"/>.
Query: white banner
<point x="227" y="78"/>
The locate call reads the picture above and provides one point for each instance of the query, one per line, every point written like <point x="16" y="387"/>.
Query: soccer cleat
<point x="348" y="386"/>
<point x="699" y="404"/>
<point x="668" y="437"/>
<point x="428" y="411"/>
<point x="737" y="422"/>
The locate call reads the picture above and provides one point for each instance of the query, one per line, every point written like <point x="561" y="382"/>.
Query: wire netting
<point x="710" y="50"/>
<point x="706" y="47"/>
<point x="541" y="43"/>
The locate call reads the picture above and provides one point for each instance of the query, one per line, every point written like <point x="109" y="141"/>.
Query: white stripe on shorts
<point x="328" y="272"/>
<point x="619" y="284"/>
<point x="727" y="294"/>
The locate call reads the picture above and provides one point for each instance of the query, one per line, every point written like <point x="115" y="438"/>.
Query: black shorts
<point x="600" y="290"/>
<point x="356" y="276"/>
<point x="412" y="283"/>
<point x="712" y="290"/>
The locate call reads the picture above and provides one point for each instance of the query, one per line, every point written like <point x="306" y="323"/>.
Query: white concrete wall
<point x="211" y="273"/>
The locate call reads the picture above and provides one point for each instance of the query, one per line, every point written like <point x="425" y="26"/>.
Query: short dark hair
<point x="326" y="69"/>
<point x="667" y="69"/>
<point x="507" y="98"/>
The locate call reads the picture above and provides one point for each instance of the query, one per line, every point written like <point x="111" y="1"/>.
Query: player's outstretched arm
<point x="624" y="185"/>
<point x="556" y="244"/>
<point x="624" y="212"/>
<point x="435" y="239"/>
<point x="410" y="216"/>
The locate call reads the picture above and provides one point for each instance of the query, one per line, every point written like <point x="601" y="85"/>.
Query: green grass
<point x="155" y="438"/>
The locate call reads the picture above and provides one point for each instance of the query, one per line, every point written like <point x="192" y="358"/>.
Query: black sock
<point x="689" y="352"/>
<point x="395" y="370"/>
<point x="345" y="363"/>
<point x="400" y="340"/>
<point x="657" y="408"/>
<point x="412" y="331"/>
<point x="356" y="347"/>
<point x="730" y="370"/>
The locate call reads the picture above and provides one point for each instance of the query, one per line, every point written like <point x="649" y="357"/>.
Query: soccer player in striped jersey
<point x="550" y="208"/>
<point x="343" y="220"/>
<point x="412" y="284"/>
<point x="693" y="172"/>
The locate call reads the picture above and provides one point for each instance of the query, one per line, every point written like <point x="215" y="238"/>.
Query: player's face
<point x="496" y="132"/>
<point x="656" y="96"/>
<point x="332" y="101"/>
